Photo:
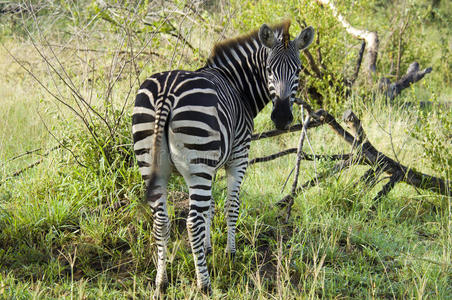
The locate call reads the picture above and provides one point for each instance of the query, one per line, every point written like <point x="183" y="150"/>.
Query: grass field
<point x="72" y="226"/>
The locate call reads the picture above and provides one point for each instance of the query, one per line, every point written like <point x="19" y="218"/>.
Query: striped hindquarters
<point x="143" y="126"/>
<point x="183" y="105"/>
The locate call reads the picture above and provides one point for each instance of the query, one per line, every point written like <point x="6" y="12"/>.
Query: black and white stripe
<point x="199" y="121"/>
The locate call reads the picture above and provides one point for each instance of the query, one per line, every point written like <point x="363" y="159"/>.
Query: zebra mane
<point x="220" y="47"/>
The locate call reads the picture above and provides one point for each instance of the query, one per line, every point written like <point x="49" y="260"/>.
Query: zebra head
<point x="282" y="69"/>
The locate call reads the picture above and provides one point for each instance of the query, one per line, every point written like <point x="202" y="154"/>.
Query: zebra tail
<point x="161" y="118"/>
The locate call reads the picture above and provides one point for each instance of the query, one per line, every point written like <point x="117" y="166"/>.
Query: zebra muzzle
<point x="282" y="113"/>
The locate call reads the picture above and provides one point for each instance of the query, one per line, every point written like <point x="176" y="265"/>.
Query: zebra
<point x="198" y="121"/>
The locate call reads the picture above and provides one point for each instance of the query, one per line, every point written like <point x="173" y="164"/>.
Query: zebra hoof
<point x="231" y="256"/>
<point x="207" y="290"/>
<point x="161" y="288"/>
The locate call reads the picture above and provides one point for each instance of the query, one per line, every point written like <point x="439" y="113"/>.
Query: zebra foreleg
<point x="209" y="216"/>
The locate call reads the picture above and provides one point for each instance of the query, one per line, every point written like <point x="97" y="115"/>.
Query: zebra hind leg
<point x="197" y="224"/>
<point x="156" y="197"/>
<point x="161" y="228"/>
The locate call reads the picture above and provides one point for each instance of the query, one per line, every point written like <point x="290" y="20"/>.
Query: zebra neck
<point x="243" y="66"/>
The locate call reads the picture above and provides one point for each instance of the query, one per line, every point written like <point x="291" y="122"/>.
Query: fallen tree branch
<point x="371" y="176"/>
<point x="393" y="180"/>
<point x="369" y="155"/>
<point x="413" y="74"/>
<point x="304" y="156"/>
<point x="390" y="166"/>
<point x="276" y="132"/>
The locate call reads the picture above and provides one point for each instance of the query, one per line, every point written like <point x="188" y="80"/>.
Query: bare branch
<point x="125" y="52"/>
<point x="272" y="156"/>
<point x="304" y="156"/>
<point x="300" y="149"/>
<point x="276" y="132"/>
<point x="30" y="166"/>
<point x="352" y="80"/>
<point x="312" y="63"/>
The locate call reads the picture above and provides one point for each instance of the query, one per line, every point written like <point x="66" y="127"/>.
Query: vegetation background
<point x="71" y="226"/>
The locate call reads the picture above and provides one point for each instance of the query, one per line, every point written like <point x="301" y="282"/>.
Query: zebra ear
<point x="267" y="36"/>
<point x="305" y="38"/>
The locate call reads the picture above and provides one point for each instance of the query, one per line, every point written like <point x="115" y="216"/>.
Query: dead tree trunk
<point x="370" y="37"/>
<point x="392" y="90"/>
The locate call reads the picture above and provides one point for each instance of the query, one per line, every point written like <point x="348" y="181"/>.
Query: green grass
<point x="72" y="231"/>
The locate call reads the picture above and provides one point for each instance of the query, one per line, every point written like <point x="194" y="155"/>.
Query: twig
<point x="17" y="173"/>
<point x="319" y="53"/>
<point x="300" y="149"/>
<point x="32" y="165"/>
<point x="23" y="154"/>
<point x="175" y="33"/>
<point x="131" y="52"/>
<point x="399" y="46"/>
<point x="61" y="143"/>
<point x="272" y="156"/>
<point x="290" y="198"/>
